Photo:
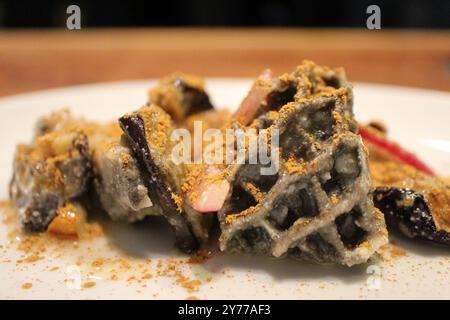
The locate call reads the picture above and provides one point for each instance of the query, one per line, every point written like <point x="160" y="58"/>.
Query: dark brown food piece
<point x="414" y="202"/>
<point x="408" y="212"/>
<point x="180" y="95"/>
<point x="148" y="134"/>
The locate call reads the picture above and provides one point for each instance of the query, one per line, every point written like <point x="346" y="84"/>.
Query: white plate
<point x="418" y="119"/>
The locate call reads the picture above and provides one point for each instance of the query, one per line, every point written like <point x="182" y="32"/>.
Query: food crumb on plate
<point x="27" y="286"/>
<point x="391" y="252"/>
<point x="200" y="256"/>
<point x="89" y="284"/>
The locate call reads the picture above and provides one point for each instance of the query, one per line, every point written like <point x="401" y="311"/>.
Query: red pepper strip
<point x="396" y="151"/>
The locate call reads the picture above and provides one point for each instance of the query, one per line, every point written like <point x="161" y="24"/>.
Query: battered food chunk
<point x="317" y="206"/>
<point x="148" y="132"/>
<point x="414" y="200"/>
<point x="416" y="204"/>
<point x="47" y="174"/>
<point x="180" y="95"/>
<point x="118" y="182"/>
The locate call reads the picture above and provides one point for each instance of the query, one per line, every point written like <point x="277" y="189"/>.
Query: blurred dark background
<point x="344" y="13"/>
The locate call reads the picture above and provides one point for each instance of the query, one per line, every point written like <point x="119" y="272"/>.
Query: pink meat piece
<point x="212" y="196"/>
<point x="251" y="104"/>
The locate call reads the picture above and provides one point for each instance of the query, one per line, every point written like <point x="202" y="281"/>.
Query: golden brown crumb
<point x="124" y="264"/>
<point x="390" y="251"/>
<point x="47" y="152"/>
<point x="254" y="191"/>
<point x="334" y="199"/>
<point x="89" y="284"/>
<point x="125" y="158"/>
<point x="147" y="276"/>
<point x="396" y="252"/>
<point x="294" y="166"/>
<point x="232" y="217"/>
<point x="33" y="258"/>
<point x="174" y="269"/>
<point x="67" y="223"/>
<point x="9" y="214"/>
<point x="191" y="179"/>
<point x="158" y="126"/>
<point x="337" y="117"/>
<point x="189" y="285"/>
<point x="200" y="256"/>
<point x="366" y="244"/>
<point x="97" y="263"/>
<point x="114" y="277"/>
<point x="4" y="204"/>
<point x="272" y="115"/>
<point x="27" y="285"/>
<point x="178" y="201"/>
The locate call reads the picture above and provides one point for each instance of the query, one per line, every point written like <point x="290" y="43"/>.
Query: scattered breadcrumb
<point x="200" y="256"/>
<point x="33" y="258"/>
<point x="334" y="199"/>
<point x="97" y="263"/>
<point x="27" y="285"/>
<point x="89" y="284"/>
<point x="396" y="252"/>
<point x="391" y="252"/>
<point x="173" y="268"/>
<point x="178" y="201"/>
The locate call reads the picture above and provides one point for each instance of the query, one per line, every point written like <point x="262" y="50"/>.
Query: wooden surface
<point x="32" y="60"/>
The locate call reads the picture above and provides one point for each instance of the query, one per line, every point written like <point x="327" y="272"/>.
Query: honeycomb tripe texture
<point x="318" y="205"/>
